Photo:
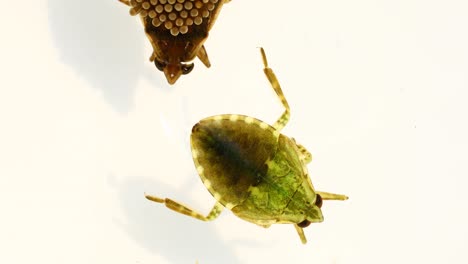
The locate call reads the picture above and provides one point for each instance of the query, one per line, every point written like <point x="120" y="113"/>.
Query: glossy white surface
<point x="378" y="93"/>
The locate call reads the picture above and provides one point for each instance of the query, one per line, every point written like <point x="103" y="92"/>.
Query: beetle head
<point x="172" y="55"/>
<point x="313" y="214"/>
<point x="173" y="71"/>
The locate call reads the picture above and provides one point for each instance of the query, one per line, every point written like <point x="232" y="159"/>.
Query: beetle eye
<point x="319" y="201"/>
<point x="160" y="65"/>
<point x="304" y="224"/>
<point x="187" y="68"/>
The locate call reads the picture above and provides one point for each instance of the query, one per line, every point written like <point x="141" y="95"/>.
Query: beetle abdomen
<point x="230" y="153"/>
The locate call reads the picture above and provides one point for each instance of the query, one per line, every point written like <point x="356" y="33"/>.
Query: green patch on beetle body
<point x="255" y="171"/>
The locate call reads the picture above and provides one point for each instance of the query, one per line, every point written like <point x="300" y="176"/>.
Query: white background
<point x="378" y="91"/>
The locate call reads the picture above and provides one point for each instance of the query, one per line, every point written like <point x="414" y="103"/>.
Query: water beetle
<point x="177" y="30"/>
<point x="253" y="170"/>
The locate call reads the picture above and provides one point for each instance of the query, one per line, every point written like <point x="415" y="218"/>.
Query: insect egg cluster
<point x="175" y="15"/>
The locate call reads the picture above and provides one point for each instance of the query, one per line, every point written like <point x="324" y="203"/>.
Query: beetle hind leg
<point x="182" y="209"/>
<point x="284" y="118"/>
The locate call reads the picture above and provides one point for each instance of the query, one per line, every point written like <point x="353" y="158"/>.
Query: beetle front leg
<point x="182" y="209"/>
<point x="300" y="232"/>
<point x="305" y="155"/>
<point x="284" y="118"/>
<point x="152" y="57"/>
<point x="332" y="196"/>
<point x="203" y="56"/>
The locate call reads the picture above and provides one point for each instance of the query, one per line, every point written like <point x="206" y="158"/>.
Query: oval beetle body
<point x="255" y="171"/>
<point x="177" y="30"/>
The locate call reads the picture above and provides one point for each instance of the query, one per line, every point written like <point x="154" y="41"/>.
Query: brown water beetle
<point x="177" y="30"/>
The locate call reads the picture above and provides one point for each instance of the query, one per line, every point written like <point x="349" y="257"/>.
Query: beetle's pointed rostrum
<point x="172" y="73"/>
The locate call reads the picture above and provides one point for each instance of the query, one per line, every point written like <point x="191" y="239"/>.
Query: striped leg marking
<point x="182" y="209"/>
<point x="305" y="155"/>
<point x="284" y="118"/>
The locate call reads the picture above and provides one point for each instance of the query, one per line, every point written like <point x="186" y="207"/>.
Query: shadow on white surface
<point x="103" y="47"/>
<point x="177" y="238"/>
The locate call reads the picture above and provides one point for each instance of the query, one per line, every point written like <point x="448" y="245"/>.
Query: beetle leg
<point x="152" y="57"/>
<point x="284" y="118"/>
<point x="182" y="209"/>
<point x="127" y="2"/>
<point x="203" y="56"/>
<point x="305" y="155"/>
<point x="300" y="232"/>
<point x="332" y="196"/>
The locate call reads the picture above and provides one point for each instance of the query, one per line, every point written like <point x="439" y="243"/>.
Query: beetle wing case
<point x="232" y="154"/>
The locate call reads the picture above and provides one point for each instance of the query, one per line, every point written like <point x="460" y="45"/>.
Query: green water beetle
<point x="253" y="170"/>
